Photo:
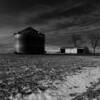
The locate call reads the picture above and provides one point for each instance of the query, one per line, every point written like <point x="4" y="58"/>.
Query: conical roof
<point x="28" y="30"/>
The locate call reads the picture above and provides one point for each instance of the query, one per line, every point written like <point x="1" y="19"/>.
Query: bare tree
<point x="75" y="38"/>
<point x="94" y="39"/>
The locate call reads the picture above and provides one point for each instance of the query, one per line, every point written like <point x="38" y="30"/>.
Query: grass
<point x="26" y="74"/>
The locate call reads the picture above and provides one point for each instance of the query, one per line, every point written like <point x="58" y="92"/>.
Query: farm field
<point x="49" y="77"/>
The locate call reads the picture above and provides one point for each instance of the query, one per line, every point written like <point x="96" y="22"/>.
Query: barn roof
<point x="71" y="47"/>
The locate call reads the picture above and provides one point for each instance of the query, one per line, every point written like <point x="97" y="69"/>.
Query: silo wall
<point x="30" y="44"/>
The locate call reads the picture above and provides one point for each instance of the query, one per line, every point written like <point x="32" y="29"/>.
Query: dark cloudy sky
<point x="55" y="18"/>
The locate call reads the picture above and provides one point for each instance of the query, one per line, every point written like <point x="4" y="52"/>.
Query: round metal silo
<point x="29" y="41"/>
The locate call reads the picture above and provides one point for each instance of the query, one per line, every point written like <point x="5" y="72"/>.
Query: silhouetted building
<point x="62" y="50"/>
<point x="30" y="41"/>
<point x="73" y="50"/>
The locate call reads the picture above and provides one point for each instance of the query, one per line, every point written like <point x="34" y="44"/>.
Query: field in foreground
<point x="49" y="77"/>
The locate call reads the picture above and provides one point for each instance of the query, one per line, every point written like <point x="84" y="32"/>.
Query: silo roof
<point x="27" y="30"/>
<point x="30" y="31"/>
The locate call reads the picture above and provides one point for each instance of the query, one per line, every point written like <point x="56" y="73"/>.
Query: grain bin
<point x="29" y="41"/>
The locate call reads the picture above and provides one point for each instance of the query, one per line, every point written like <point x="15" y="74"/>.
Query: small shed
<point x="29" y="41"/>
<point x="74" y="50"/>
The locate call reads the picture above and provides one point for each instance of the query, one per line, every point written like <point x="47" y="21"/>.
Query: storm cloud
<point x="55" y="18"/>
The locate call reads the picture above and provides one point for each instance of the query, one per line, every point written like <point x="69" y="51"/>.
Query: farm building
<point x="29" y="41"/>
<point x="73" y="50"/>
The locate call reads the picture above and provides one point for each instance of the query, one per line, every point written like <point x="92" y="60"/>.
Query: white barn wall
<point x="71" y="50"/>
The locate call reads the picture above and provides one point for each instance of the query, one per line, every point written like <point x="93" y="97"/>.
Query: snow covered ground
<point x="74" y="86"/>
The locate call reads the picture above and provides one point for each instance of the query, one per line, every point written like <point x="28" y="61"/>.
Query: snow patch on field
<point x="74" y="84"/>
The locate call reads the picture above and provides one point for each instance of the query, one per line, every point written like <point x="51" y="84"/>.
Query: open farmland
<point x="49" y="77"/>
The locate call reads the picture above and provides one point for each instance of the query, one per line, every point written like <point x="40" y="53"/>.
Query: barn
<point x="74" y="50"/>
<point x="29" y="41"/>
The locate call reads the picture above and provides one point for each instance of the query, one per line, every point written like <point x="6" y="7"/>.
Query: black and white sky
<point x="55" y="18"/>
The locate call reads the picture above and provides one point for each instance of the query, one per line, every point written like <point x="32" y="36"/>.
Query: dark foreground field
<point x="75" y="77"/>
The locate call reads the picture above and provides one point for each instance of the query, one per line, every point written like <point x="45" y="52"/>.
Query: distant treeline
<point x="91" y="39"/>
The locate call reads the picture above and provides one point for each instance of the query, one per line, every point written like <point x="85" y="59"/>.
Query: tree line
<point x="92" y="39"/>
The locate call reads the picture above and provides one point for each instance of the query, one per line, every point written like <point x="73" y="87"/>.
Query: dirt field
<point x="49" y="77"/>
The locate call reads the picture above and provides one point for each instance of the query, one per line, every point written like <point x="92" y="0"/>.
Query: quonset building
<point x="29" y="41"/>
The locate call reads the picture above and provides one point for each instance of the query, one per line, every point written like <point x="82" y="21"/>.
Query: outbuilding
<point x="74" y="50"/>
